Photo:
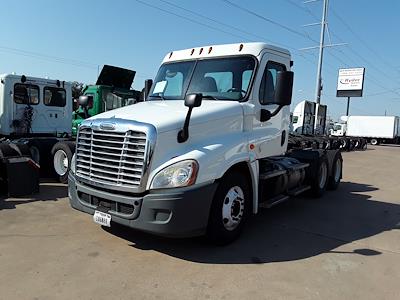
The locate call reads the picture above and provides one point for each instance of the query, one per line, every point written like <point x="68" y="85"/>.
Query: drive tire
<point x="222" y="230"/>
<point x="320" y="180"/>
<point x="374" y="142"/>
<point x="60" y="151"/>
<point x="336" y="172"/>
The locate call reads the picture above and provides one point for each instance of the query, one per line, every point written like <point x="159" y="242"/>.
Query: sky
<point x="71" y="40"/>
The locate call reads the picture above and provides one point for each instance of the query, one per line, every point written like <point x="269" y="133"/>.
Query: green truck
<point x="112" y="90"/>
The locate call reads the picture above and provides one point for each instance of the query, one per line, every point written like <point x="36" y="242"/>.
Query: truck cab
<point x="204" y="151"/>
<point x="34" y="106"/>
<point x="339" y="129"/>
<point x="112" y="90"/>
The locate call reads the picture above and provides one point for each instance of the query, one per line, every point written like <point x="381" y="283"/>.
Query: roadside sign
<point x="350" y="82"/>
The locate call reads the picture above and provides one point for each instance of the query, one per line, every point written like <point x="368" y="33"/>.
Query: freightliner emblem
<point x="107" y="126"/>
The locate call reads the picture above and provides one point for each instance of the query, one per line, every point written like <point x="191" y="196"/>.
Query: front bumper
<point x="180" y="212"/>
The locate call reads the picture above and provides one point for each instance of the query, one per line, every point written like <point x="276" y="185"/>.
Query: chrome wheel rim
<point x="60" y="162"/>
<point x="233" y="208"/>
<point x="323" y="172"/>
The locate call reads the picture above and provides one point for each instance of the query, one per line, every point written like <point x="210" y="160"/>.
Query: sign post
<point x="350" y="84"/>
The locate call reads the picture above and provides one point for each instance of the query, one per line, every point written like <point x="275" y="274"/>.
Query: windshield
<point x="337" y="127"/>
<point x="217" y="78"/>
<point x="114" y="100"/>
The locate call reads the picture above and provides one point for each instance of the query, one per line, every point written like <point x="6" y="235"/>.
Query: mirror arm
<point x="183" y="134"/>
<point x="277" y="110"/>
<point x="86" y="112"/>
<point x="266" y="115"/>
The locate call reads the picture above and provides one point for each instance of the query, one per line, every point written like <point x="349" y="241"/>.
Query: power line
<point x="189" y="20"/>
<point x="62" y="60"/>
<point x="350" y="29"/>
<point x="369" y="77"/>
<point x="220" y="23"/>
<point x="268" y="20"/>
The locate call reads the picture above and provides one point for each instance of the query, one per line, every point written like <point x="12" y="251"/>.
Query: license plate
<point x="102" y="218"/>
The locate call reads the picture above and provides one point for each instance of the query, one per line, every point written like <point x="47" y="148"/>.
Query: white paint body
<point x="303" y="117"/>
<point x="220" y="132"/>
<point x="339" y="129"/>
<point x="385" y="127"/>
<point x="46" y="119"/>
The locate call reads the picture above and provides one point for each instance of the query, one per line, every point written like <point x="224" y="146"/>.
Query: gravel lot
<point x="345" y="245"/>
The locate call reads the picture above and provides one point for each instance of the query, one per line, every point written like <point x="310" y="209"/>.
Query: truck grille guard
<point x="114" y="154"/>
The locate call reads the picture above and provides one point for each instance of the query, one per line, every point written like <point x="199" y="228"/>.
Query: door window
<point x="26" y="93"/>
<point x="54" y="96"/>
<point x="268" y="83"/>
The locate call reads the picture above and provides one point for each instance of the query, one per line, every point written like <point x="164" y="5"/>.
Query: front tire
<point x="229" y="210"/>
<point x="62" y="155"/>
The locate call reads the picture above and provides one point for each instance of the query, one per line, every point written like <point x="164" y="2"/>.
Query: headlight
<point x="180" y="174"/>
<point x="73" y="164"/>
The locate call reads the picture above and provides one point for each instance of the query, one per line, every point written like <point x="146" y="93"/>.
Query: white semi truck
<point x="309" y="122"/>
<point x="204" y="152"/>
<point x="376" y="129"/>
<point x="35" y="113"/>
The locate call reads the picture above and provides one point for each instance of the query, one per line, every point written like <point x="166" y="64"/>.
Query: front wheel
<point x="229" y="210"/>
<point x="62" y="156"/>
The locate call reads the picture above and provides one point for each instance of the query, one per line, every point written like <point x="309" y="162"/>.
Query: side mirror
<point x="193" y="100"/>
<point x="84" y="100"/>
<point x="283" y="88"/>
<point x="147" y="87"/>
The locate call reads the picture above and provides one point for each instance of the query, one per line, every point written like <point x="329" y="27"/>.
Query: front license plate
<point x="102" y="218"/>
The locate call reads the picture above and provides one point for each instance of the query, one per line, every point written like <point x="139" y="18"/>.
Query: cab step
<point x="298" y="190"/>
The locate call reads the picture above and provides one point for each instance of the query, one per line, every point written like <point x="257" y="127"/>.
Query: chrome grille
<point x="111" y="158"/>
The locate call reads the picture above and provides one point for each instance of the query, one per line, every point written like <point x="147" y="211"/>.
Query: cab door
<point x="55" y="114"/>
<point x="26" y="101"/>
<point x="270" y="137"/>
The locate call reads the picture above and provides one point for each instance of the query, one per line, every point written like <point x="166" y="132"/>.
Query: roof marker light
<point x="191" y="53"/>
<point x="201" y="50"/>
<point x="170" y="54"/>
<point x="209" y="50"/>
<point x="240" y="47"/>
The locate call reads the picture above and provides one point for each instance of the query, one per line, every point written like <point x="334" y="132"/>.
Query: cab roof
<point x="222" y="50"/>
<point x="34" y="80"/>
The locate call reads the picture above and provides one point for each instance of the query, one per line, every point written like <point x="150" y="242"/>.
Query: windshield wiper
<point x="210" y="97"/>
<point x="158" y="96"/>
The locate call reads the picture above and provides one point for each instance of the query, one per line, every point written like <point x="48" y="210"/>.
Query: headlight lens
<point x="180" y="174"/>
<point x="73" y="164"/>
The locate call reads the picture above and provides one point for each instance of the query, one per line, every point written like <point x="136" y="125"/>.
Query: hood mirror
<point x="191" y="101"/>
<point x="84" y="101"/>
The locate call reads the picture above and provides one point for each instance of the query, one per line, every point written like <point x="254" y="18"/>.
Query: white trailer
<point x="376" y="129"/>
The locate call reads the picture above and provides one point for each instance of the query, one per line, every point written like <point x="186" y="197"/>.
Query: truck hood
<point x="170" y="114"/>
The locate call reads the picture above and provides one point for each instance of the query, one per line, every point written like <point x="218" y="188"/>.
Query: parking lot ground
<point x="345" y="245"/>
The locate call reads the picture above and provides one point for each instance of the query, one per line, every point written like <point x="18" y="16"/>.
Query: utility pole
<point x="321" y="53"/>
